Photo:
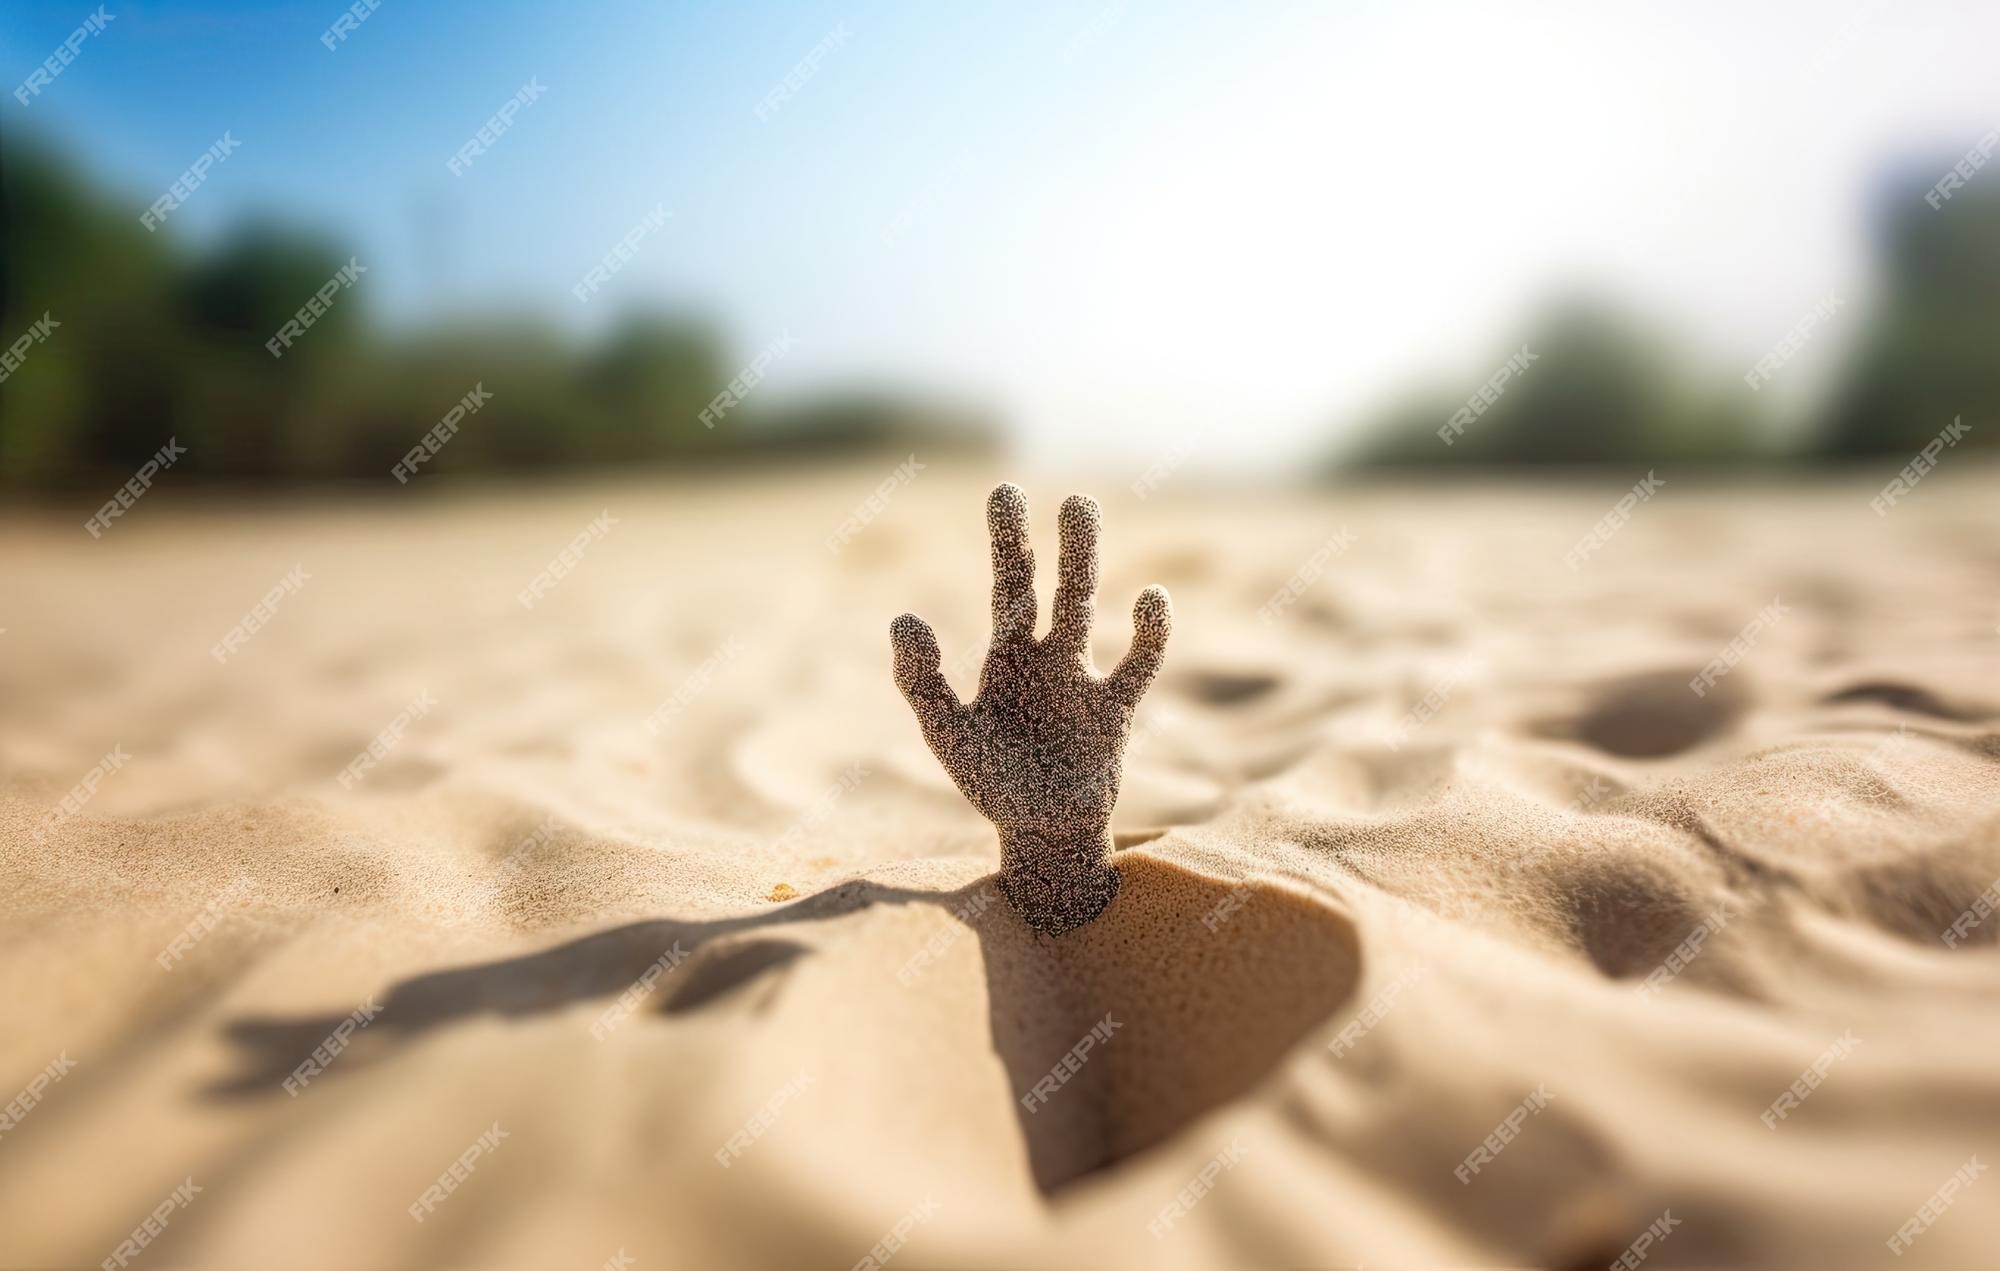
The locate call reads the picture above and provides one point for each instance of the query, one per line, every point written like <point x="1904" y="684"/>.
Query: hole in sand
<point x="1902" y="697"/>
<point x="1646" y="716"/>
<point x="1626" y="921"/>
<point x="1927" y="902"/>
<point x="1225" y="688"/>
<point x="1202" y="1016"/>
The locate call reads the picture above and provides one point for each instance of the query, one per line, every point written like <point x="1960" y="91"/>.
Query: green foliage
<point x="154" y="341"/>
<point x="1599" y="390"/>
<point x="1604" y="389"/>
<point x="1929" y="353"/>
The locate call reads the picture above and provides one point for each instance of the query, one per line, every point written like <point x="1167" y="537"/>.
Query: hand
<point x="1038" y="752"/>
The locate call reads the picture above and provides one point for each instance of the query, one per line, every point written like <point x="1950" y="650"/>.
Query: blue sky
<point x="1232" y="223"/>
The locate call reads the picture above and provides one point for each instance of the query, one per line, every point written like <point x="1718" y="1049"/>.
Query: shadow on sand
<point x="1207" y="983"/>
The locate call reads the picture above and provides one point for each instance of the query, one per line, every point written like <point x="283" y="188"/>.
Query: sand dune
<point x="1335" y="968"/>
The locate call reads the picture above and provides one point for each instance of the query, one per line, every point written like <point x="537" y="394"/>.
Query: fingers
<point x="1013" y="563"/>
<point x="917" y="674"/>
<point x="1076" y="575"/>
<point x="1152" y="622"/>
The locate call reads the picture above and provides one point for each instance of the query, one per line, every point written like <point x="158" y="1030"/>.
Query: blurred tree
<point x="1602" y="388"/>
<point x="876" y="418"/>
<point x="153" y="344"/>
<point x="1928" y="352"/>
<point x="649" y="383"/>
<point x="239" y="409"/>
<point x="106" y="281"/>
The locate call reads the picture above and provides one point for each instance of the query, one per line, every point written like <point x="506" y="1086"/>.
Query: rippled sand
<point x="1335" y="967"/>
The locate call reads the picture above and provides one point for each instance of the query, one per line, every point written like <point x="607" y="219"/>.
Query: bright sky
<point x="1132" y="222"/>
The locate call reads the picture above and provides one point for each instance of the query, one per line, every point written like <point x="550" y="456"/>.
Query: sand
<point x="1335" y="966"/>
